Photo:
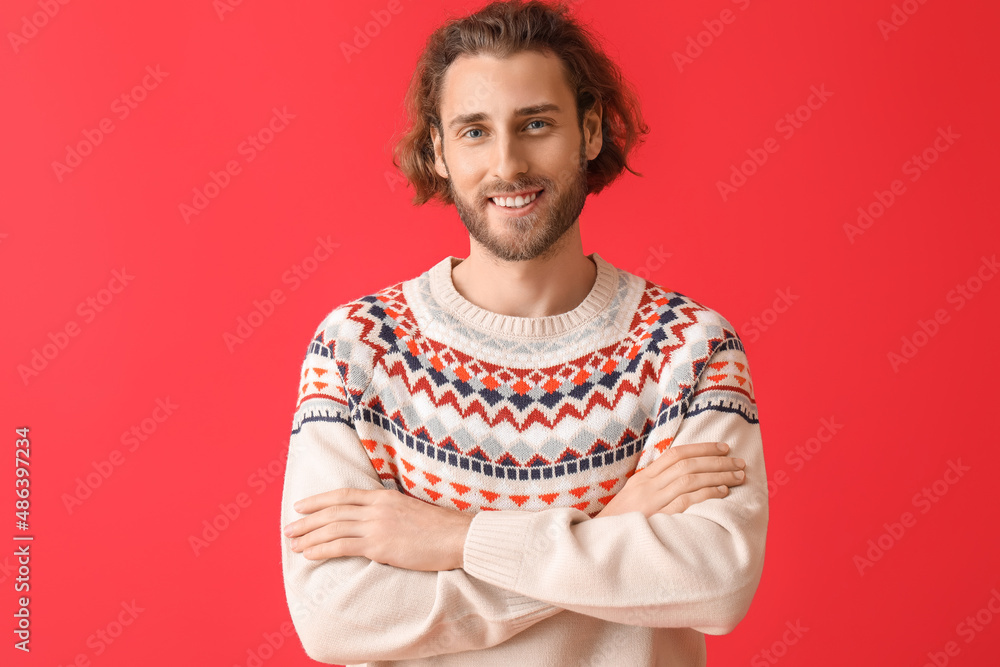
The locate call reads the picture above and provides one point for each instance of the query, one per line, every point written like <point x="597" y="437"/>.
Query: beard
<point x="535" y="234"/>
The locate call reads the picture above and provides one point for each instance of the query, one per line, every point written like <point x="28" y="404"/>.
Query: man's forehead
<point x="474" y="84"/>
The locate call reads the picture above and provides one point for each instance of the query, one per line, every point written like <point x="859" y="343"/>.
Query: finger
<point x="324" y="516"/>
<point x="690" y="482"/>
<point x="718" y="463"/>
<point x="688" y="499"/>
<point x="330" y="532"/>
<point x="678" y="452"/>
<point x="334" y="497"/>
<point x="348" y="546"/>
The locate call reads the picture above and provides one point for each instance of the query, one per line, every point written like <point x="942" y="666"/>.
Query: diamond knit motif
<point x="527" y="415"/>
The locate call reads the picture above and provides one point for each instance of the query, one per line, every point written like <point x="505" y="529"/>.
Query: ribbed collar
<point x="600" y="295"/>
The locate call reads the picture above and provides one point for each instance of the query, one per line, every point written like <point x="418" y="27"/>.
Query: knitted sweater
<point x="531" y="425"/>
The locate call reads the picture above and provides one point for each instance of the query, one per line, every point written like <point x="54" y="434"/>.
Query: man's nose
<point x="509" y="159"/>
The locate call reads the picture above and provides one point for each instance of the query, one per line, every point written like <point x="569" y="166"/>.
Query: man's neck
<point x="533" y="288"/>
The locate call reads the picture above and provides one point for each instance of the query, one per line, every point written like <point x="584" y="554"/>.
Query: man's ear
<point x="592" y="135"/>
<point x="439" y="165"/>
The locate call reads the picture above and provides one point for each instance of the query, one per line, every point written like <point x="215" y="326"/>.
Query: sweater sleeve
<point x="352" y="609"/>
<point x="698" y="569"/>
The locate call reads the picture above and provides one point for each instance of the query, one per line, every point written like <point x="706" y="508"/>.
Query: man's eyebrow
<point x="479" y="116"/>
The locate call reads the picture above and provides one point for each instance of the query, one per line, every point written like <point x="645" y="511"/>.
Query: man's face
<point x="510" y="127"/>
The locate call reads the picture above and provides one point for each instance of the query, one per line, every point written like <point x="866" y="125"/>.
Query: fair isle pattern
<point x="468" y="432"/>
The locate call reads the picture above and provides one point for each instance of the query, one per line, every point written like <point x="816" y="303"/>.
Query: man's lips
<point x="517" y="211"/>
<point x="522" y="193"/>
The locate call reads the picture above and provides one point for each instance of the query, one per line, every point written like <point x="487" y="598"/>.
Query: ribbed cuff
<point x="526" y="610"/>
<point x="495" y="546"/>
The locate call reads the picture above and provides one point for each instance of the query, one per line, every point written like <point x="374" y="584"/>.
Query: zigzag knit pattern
<point x="474" y="415"/>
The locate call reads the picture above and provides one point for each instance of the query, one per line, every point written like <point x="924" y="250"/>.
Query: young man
<point x="526" y="456"/>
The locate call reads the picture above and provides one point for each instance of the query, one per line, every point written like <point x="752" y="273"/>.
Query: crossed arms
<point x="463" y="583"/>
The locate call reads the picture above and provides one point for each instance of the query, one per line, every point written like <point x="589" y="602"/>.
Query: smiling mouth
<point x="515" y="203"/>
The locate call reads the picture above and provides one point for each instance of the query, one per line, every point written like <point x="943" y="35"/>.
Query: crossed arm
<point x="348" y="607"/>
<point x="398" y="530"/>
<point x="354" y="609"/>
<point x="378" y="575"/>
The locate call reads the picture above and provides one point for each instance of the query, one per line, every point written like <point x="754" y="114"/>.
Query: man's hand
<point x="382" y="525"/>
<point x="679" y="478"/>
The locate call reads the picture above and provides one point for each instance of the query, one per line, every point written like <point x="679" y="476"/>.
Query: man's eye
<point x="476" y="129"/>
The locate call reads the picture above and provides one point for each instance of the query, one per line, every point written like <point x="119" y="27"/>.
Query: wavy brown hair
<point x="502" y="29"/>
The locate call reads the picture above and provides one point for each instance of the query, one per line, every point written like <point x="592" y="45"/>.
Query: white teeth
<point x="514" y="202"/>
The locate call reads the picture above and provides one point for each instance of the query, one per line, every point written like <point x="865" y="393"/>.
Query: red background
<point x="328" y="174"/>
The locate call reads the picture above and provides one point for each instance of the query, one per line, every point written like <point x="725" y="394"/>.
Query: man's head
<point x="523" y="141"/>
<point x="516" y="98"/>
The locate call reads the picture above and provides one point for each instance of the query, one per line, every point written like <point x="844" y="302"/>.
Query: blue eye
<point x="476" y="129"/>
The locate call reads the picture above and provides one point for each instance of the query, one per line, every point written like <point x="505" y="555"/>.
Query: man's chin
<point x="520" y="225"/>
